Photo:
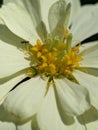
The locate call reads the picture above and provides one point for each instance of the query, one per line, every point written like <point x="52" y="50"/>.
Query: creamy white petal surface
<point x="89" y="53"/>
<point x="6" y="1"/>
<point x="17" y="20"/>
<point x="48" y="116"/>
<point x="7" y="86"/>
<point x="10" y="38"/>
<point x="87" y="48"/>
<point x="91" y="83"/>
<point x="73" y="98"/>
<point x="57" y="22"/>
<point x="7" y="126"/>
<point x="34" y="11"/>
<point x="11" y="60"/>
<point x="27" y="99"/>
<point x="25" y="126"/>
<point x="75" y="8"/>
<point x="90" y="61"/>
<point x="86" y="23"/>
<point x="45" y="5"/>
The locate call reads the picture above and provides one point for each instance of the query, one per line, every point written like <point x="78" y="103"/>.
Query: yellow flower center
<point x="52" y="58"/>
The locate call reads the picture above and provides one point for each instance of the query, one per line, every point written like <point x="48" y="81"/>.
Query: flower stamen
<point x="56" y="62"/>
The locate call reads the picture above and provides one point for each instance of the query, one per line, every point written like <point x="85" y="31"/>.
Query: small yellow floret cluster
<point x="53" y="61"/>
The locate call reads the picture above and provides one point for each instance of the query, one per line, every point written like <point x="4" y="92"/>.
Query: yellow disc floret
<point x="54" y="59"/>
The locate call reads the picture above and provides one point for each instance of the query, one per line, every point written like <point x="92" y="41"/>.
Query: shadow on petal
<point x="66" y="119"/>
<point x="7" y="36"/>
<point x="9" y="117"/>
<point x="34" y="123"/>
<point x="7" y="78"/>
<point x="5" y="116"/>
<point x="90" y="116"/>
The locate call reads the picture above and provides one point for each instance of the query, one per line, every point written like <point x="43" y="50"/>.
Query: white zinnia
<point x="54" y="109"/>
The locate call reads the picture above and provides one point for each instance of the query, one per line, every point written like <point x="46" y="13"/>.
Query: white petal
<point x="8" y="37"/>
<point x="25" y="100"/>
<point x="86" y="23"/>
<point x="89" y="52"/>
<point x="18" y="21"/>
<point x="75" y="8"/>
<point x="1" y="100"/>
<point x="1" y="22"/>
<point x="25" y="126"/>
<point x="73" y="98"/>
<point x="6" y="1"/>
<point x="91" y="83"/>
<point x="45" y="6"/>
<point x="7" y="86"/>
<point x="49" y="119"/>
<point x="35" y="12"/>
<point x="11" y="60"/>
<point x="88" y="47"/>
<point x="7" y="126"/>
<point x="48" y="115"/>
<point x="57" y="22"/>
<point x="90" y="62"/>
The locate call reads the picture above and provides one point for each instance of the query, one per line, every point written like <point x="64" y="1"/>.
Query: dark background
<point x="93" y="38"/>
<point x="82" y="1"/>
<point x="88" y="1"/>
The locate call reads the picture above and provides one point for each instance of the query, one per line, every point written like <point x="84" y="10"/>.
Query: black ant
<point x="24" y="42"/>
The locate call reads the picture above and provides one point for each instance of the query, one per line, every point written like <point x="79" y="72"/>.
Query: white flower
<point x="62" y="82"/>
